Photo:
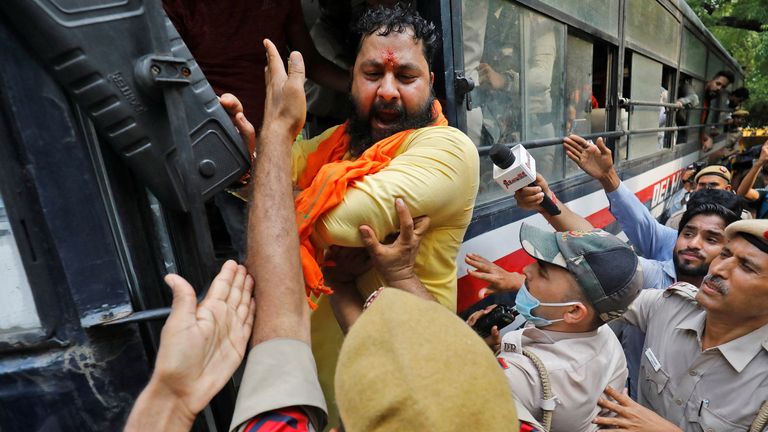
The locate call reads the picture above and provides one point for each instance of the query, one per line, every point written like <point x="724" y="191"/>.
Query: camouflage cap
<point x="606" y="269"/>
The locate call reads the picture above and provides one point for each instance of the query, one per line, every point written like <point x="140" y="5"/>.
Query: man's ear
<point x="431" y="79"/>
<point x="576" y="314"/>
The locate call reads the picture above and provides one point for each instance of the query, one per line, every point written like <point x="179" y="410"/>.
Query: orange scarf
<point x="324" y="182"/>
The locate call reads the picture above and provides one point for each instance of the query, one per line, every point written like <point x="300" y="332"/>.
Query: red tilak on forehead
<point x="390" y="59"/>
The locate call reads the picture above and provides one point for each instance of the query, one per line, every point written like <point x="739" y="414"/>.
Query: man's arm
<point x="652" y="239"/>
<point x="745" y="187"/>
<point x="395" y="262"/>
<point x="280" y="371"/>
<point x="530" y="198"/>
<point x="273" y="240"/>
<point x="200" y="348"/>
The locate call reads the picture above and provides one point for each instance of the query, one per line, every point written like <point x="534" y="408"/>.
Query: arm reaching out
<point x="499" y="280"/>
<point x="200" y="348"/>
<point x="745" y="187"/>
<point x="595" y="159"/>
<point x="273" y="240"/>
<point x="530" y="198"/>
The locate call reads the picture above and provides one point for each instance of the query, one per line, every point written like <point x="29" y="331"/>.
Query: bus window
<point x="693" y="116"/>
<point x="650" y="26"/>
<point x="645" y="85"/>
<point x="600" y="14"/>
<point x="543" y="90"/>
<point x="586" y="69"/>
<point x="17" y="309"/>
<point x="693" y="58"/>
<point x="515" y="57"/>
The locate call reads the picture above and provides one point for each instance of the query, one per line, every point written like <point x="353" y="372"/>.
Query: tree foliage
<point x="742" y="28"/>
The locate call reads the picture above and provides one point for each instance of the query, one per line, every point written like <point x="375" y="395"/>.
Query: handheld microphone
<point x="515" y="168"/>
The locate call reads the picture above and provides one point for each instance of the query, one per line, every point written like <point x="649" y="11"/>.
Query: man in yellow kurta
<point x="433" y="168"/>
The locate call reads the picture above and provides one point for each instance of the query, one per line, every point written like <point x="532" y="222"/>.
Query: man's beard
<point x="361" y="136"/>
<point x="688" y="269"/>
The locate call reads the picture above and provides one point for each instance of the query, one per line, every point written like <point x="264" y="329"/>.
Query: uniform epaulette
<point x="683" y="289"/>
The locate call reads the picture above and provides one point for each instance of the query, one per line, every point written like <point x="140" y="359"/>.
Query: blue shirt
<point x="656" y="243"/>
<point x="650" y="238"/>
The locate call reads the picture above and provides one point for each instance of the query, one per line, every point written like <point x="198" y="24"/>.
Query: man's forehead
<point x="743" y="249"/>
<point x="706" y="222"/>
<point x="399" y="39"/>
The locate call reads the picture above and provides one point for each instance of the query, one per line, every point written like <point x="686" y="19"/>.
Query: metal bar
<point x="546" y="142"/>
<point x="141" y="316"/>
<point x="625" y="102"/>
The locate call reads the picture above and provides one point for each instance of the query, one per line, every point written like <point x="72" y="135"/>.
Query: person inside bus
<point x="687" y="98"/>
<point x="202" y="345"/>
<point x="225" y="39"/>
<point x="395" y="144"/>
<point x="712" y="90"/>
<point x="580" y="281"/>
<point x="331" y="33"/>
<point x="758" y="198"/>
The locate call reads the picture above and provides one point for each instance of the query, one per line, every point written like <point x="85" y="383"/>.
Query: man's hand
<point x="488" y="76"/>
<point x="595" y="159"/>
<point x="630" y="415"/>
<point x="499" y="280"/>
<point x="395" y="261"/>
<point x="530" y="197"/>
<point x="200" y="347"/>
<point x="763" y="158"/>
<point x="706" y="142"/>
<point x="285" y="103"/>
<point x="494" y="339"/>
<point x="234" y="108"/>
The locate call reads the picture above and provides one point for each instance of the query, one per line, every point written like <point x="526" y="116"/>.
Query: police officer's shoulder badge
<point x="684" y="290"/>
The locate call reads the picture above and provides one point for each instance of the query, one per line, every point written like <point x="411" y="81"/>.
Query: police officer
<point x="705" y="359"/>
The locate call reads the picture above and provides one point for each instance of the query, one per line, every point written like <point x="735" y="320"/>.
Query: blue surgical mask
<point x="525" y="303"/>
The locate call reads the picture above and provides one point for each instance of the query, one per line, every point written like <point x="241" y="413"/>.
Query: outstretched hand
<point x="499" y="280"/>
<point x="201" y="345"/>
<point x="285" y="104"/>
<point x="630" y="415"/>
<point x="595" y="159"/>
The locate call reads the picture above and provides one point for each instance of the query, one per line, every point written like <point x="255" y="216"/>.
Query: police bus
<point x="111" y="142"/>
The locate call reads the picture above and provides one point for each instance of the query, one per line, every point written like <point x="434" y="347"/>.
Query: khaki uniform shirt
<point x="580" y="366"/>
<point x="719" y="389"/>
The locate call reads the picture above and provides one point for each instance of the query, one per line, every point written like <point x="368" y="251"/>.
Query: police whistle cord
<point x="548" y="401"/>
<point x="762" y="418"/>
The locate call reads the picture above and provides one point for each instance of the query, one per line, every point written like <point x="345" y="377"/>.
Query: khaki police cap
<point x="756" y="230"/>
<point x="717" y="170"/>
<point x="741" y="113"/>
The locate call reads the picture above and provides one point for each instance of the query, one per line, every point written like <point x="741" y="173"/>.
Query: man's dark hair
<point x="716" y="202"/>
<point x="727" y="74"/>
<point x="383" y="21"/>
<point x="741" y="93"/>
